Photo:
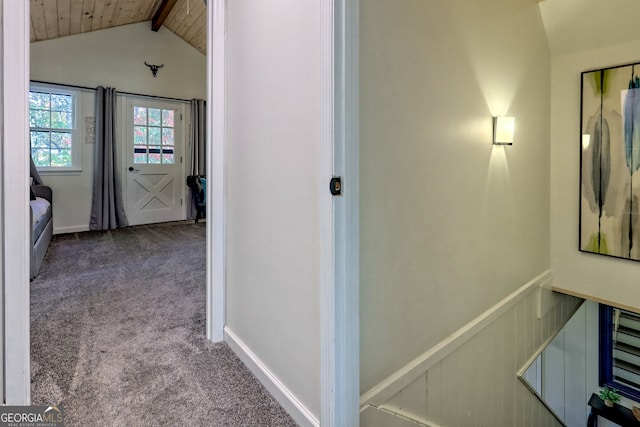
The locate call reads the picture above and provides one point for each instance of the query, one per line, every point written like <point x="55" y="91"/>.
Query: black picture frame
<point x="609" y="219"/>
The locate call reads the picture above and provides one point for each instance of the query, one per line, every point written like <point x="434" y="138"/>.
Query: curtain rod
<point x="119" y="93"/>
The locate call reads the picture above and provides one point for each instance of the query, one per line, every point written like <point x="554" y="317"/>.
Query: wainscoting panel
<point x="413" y="397"/>
<point x="467" y="368"/>
<point x="475" y="384"/>
<point x="435" y="398"/>
<point x="373" y="417"/>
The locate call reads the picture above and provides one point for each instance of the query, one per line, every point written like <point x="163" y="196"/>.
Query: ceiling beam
<point x="162" y="13"/>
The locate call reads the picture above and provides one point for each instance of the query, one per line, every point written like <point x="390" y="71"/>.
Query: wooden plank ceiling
<point x="51" y="19"/>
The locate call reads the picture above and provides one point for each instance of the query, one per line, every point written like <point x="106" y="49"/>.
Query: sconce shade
<point x="503" y="130"/>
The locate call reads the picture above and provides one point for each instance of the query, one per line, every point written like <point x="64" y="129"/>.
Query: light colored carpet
<point x="118" y="335"/>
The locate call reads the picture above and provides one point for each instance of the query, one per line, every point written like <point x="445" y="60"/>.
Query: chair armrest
<point x="43" y="191"/>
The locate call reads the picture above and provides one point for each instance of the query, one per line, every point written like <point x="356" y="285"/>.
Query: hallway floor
<point x="118" y="335"/>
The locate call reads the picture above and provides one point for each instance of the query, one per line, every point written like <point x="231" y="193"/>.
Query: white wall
<point x="450" y="224"/>
<point x="273" y="184"/>
<point x="594" y="276"/>
<point x="113" y="57"/>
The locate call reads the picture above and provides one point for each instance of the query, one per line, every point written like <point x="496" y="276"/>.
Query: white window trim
<point x="76" y="133"/>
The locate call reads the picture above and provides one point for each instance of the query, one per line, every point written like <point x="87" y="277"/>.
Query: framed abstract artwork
<point x="610" y="162"/>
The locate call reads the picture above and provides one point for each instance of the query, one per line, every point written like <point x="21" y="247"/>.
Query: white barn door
<point x="153" y="161"/>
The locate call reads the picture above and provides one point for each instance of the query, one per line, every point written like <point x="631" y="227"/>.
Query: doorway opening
<point x="155" y="190"/>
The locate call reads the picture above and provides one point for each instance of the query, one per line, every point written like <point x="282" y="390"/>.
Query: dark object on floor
<point x="618" y="414"/>
<point x="198" y="186"/>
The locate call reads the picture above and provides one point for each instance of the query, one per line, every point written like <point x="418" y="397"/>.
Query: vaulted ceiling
<point x="51" y="19"/>
<point x="570" y="25"/>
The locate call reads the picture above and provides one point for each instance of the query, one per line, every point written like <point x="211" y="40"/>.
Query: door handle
<point x="131" y="169"/>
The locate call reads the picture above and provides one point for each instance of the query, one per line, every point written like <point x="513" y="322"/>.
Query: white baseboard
<point x="72" y="229"/>
<point x="271" y="382"/>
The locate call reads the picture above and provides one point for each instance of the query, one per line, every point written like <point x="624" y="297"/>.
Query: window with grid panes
<point x="53" y="127"/>
<point x="620" y="350"/>
<point x="153" y="130"/>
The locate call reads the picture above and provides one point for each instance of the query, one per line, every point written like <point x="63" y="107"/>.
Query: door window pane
<point x="167" y="118"/>
<point x="140" y="135"/>
<point x="140" y="158"/>
<point x="167" y="136"/>
<point x="154" y="158"/>
<point x="154" y="135"/>
<point x="155" y="117"/>
<point x="139" y="116"/>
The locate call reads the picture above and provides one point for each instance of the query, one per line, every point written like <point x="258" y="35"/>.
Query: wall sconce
<point x="503" y="130"/>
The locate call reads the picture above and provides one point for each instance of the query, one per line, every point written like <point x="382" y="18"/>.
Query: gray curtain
<point x="198" y="144"/>
<point x="107" y="209"/>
